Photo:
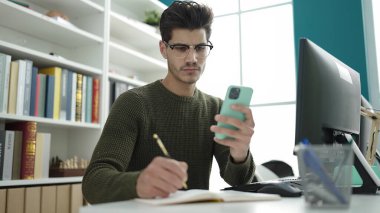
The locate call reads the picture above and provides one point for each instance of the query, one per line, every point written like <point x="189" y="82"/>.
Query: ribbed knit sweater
<point x="126" y="145"/>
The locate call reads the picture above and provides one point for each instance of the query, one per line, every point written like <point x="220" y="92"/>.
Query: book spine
<point x="57" y="73"/>
<point x="69" y="89"/>
<point x="2" y="80"/>
<point x="95" y="101"/>
<point x="20" y="87"/>
<point x="2" y="145"/>
<point x="49" y="103"/>
<point x="8" y="155"/>
<point x="42" y="95"/>
<point x="63" y="109"/>
<point x="73" y="97"/>
<point x="28" y="86"/>
<point x="13" y="88"/>
<point x="89" y="100"/>
<point x="33" y="92"/>
<point x="28" y="150"/>
<point x="17" y="153"/>
<point x="5" y="62"/>
<point x="78" y="106"/>
<point x="84" y="94"/>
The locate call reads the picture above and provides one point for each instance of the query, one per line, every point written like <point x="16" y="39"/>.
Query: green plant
<point x="152" y="17"/>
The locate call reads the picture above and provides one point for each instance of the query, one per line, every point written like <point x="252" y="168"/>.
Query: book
<point x="89" y="94"/>
<point x="17" y="151"/>
<point x="78" y="105"/>
<point x="41" y="79"/>
<point x="95" y="100"/>
<point x="35" y="89"/>
<point x="73" y="97"/>
<point x="69" y="91"/>
<point x="49" y="97"/>
<point x="84" y="95"/>
<point x="27" y="87"/>
<point x="8" y="154"/>
<point x="57" y="73"/>
<point x="41" y="164"/>
<point x="13" y="88"/>
<point x="5" y="63"/>
<point x="20" y="87"/>
<point x="28" y="150"/>
<point x="64" y="95"/>
<point x="201" y="195"/>
<point x="2" y="147"/>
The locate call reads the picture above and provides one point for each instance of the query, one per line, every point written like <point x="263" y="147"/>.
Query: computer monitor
<point x="329" y="105"/>
<point x="328" y="96"/>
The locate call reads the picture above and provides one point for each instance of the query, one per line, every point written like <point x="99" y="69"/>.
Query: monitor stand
<point x="371" y="181"/>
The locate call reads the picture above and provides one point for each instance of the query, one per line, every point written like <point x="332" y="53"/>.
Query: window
<point x="254" y="46"/>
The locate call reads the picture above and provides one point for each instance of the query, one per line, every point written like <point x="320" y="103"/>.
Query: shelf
<point x="49" y="122"/>
<point x="117" y="77"/>
<point x="140" y="6"/>
<point x="26" y="21"/>
<point x="134" y="60"/>
<point x="71" y="8"/>
<point x="43" y="181"/>
<point x="138" y="34"/>
<point x="46" y="60"/>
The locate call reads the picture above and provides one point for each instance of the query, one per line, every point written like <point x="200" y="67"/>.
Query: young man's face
<point x="185" y="68"/>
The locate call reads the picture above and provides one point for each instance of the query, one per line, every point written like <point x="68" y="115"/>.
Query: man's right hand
<point x="161" y="177"/>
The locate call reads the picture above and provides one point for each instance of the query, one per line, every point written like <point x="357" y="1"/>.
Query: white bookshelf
<point x="42" y="181"/>
<point x="25" y="20"/>
<point x="120" y="78"/>
<point x="106" y="34"/>
<point x="46" y="60"/>
<point x="134" y="60"/>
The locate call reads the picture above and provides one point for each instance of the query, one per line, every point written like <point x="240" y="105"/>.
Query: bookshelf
<point x="107" y="41"/>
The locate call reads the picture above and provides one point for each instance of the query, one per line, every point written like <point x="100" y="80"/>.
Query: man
<point x="127" y="163"/>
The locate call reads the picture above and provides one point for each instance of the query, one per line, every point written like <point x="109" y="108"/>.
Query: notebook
<point x="201" y="195"/>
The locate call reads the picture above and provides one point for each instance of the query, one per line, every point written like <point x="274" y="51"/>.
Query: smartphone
<point x="235" y="95"/>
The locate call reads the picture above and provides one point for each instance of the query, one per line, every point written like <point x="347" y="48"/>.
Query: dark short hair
<point x="186" y="15"/>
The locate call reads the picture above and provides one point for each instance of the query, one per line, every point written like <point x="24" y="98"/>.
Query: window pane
<point x="220" y="7"/>
<point x="268" y="63"/>
<point x="223" y="63"/>
<point x="274" y="134"/>
<point x="253" y="4"/>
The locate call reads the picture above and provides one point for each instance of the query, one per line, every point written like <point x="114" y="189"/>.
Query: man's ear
<point x="163" y="49"/>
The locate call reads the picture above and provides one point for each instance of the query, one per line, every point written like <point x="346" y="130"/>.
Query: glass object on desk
<point x="326" y="171"/>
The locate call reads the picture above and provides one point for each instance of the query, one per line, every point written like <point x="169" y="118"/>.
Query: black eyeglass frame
<point x="172" y="46"/>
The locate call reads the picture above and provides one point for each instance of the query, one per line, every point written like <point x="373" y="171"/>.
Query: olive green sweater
<point x="126" y="145"/>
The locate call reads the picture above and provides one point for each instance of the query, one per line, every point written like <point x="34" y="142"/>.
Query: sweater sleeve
<point x="234" y="173"/>
<point x="106" y="178"/>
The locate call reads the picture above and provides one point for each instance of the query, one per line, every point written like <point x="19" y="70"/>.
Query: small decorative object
<point x="56" y="13"/>
<point x="67" y="168"/>
<point x="152" y="17"/>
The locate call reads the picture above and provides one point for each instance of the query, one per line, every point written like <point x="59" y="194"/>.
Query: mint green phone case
<point x="244" y="98"/>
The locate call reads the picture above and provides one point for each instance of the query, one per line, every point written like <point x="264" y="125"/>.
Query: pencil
<point x="166" y="153"/>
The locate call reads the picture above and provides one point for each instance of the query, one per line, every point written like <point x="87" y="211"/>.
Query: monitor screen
<point x="328" y="96"/>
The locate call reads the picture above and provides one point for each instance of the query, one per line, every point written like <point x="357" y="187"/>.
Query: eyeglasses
<point x="182" y="50"/>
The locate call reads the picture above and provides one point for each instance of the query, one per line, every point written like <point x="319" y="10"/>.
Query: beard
<point x="188" y="74"/>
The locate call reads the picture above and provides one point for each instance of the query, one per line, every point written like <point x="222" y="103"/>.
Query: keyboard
<point x="254" y="187"/>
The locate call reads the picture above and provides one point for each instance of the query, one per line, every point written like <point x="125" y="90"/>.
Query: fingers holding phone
<point x="235" y="122"/>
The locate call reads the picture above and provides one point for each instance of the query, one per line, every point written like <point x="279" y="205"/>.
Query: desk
<point x="359" y="203"/>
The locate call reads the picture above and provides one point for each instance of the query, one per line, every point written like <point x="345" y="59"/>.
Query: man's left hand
<point x="239" y="139"/>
